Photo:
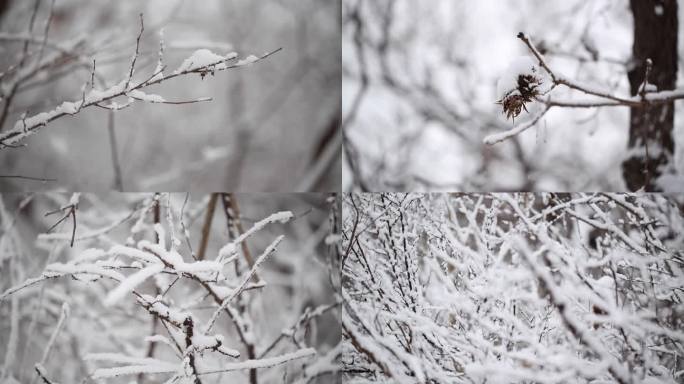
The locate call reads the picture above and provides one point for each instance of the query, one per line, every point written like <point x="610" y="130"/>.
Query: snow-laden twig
<point x="645" y="97"/>
<point x="230" y="249"/>
<point x="502" y="136"/>
<point x="64" y="313"/>
<point x="263" y="363"/>
<point x="131" y="282"/>
<point x="201" y="62"/>
<point x="245" y="279"/>
<point x="636" y="101"/>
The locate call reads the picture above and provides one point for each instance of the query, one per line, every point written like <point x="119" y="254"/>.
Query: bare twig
<point x="237" y="291"/>
<point x="206" y="227"/>
<point x="42" y="179"/>
<point x="118" y="179"/>
<point x="45" y="32"/>
<point x="137" y="52"/>
<point x="499" y="137"/>
<point x="70" y="210"/>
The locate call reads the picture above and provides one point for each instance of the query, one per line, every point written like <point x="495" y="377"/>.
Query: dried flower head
<point x="525" y="91"/>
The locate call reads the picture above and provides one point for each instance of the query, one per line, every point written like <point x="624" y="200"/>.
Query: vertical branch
<point x="156" y="217"/>
<point x="136" y="54"/>
<point x="118" y="180"/>
<point x="232" y="212"/>
<point x="189" y="331"/>
<point x="13" y="339"/>
<point x="32" y="22"/>
<point x="206" y="227"/>
<point x="9" y="96"/>
<point x="46" y="353"/>
<point x="46" y="31"/>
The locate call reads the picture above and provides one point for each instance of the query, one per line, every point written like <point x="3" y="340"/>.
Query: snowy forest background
<point x="270" y="126"/>
<point x="513" y="288"/>
<point x="420" y="93"/>
<point x="126" y="288"/>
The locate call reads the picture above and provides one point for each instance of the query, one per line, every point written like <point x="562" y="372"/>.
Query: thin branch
<point x="237" y="291"/>
<point x="653" y="98"/>
<point x="114" y="149"/>
<point x="137" y="52"/>
<point x="206" y="227"/>
<point x="499" y="137"/>
<point x="263" y="363"/>
<point x="42" y="179"/>
<point x="45" y="32"/>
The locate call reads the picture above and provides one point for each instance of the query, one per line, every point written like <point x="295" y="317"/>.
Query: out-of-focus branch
<point x="206" y="227"/>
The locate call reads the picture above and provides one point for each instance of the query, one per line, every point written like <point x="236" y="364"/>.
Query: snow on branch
<point x="522" y="84"/>
<point x="151" y="275"/>
<point x="202" y="62"/>
<point x="512" y="288"/>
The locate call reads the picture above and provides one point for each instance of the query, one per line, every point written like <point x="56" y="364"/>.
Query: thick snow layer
<point x="132" y="281"/>
<point x="151" y="98"/>
<point x="202" y="58"/>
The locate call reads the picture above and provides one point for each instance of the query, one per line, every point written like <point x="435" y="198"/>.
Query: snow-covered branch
<point x="137" y="269"/>
<point x="513" y="288"/>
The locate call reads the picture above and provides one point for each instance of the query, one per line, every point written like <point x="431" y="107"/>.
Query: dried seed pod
<point x="522" y="86"/>
<point x="527" y="90"/>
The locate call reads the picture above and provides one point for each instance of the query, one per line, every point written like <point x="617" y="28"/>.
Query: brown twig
<point x="206" y="227"/>
<point x="70" y="212"/>
<point x="137" y="52"/>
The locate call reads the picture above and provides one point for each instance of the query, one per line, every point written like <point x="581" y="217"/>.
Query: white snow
<point x="105" y="373"/>
<point x="131" y="282"/>
<point x="148" y="97"/>
<point x="230" y="249"/>
<point x="158" y="307"/>
<point x="508" y="81"/>
<point x="246" y="61"/>
<point x="202" y="58"/>
<point x="265" y="362"/>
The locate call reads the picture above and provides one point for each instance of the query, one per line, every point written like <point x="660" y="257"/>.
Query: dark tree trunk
<point x="650" y="128"/>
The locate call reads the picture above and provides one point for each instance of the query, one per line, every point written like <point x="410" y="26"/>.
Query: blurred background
<point x="271" y="126"/>
<point x="419" y="95"/>
<point x="301" y="281"/>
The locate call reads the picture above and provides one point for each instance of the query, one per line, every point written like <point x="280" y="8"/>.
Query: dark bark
<point x="650" y="128"/>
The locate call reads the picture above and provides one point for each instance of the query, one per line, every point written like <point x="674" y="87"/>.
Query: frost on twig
<point x="520" y="86"/>
<point x="206" y="312"/>
<point x="202" y="62"/>
<point x="512" y="288"/>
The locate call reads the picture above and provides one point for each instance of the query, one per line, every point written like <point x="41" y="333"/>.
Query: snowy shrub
<point x="513" y="288"/>
<point x="135" y="298"/>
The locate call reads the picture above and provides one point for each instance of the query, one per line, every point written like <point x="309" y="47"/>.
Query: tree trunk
<point x="650" y="128"/>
